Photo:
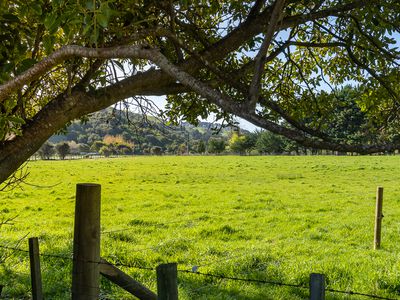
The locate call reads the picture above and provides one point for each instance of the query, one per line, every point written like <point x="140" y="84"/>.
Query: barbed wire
<point x="283" y="284"/>
<point x="119" y="264"/>
<point x="278" y="283"/>
<point x="245" y="279"/>
<point x="218" y="276"/>
<point x="359" y="294"/>
<point x="64" y="257"/>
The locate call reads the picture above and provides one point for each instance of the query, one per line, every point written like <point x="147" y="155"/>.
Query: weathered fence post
<point x="378" y="218"/>
<point x="130" y="285"/>
<point x="36" y="276"/>
<point x="167" y="281"/>
<point x="86" y="256"/>
<point x="317" y="286"/>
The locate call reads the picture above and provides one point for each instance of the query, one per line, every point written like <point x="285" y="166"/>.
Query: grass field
<point x="267" y="218"/>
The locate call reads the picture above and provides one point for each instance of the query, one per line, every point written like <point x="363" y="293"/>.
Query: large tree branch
<point x="215" y="52"/>
<point x="66" y="52"/>
<point x="230" y="106"/>
<point x="335" y="11"/>
<point x="66" y="107"/>
<point x="259" y="23"/>
<point x="250" y="115"/>
<point x="255" y="85"/>
<point x="312" y="142"/>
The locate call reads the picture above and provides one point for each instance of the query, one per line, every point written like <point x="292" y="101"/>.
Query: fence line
<point x="358" y="294"/>
<point x="217" y="276"/>
<point x="86" y="258"/>
<point x="245" y="279"/>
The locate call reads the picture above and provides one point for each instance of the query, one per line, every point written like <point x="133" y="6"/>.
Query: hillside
<point x="140" y="133"/>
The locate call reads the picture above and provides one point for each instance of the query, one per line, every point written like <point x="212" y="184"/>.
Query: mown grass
<point x="267" y="218"/>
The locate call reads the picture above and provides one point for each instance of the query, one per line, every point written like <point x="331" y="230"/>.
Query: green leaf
<point x="102" y="20"/>
<point x="87" y="29"/>
<point x="10" y="18"/>
<point x="94" y="37"/>
<point x="57" y="3"/>
<point x="90" y="5"/>
<point x="25" y="65"/>
<point x="184" y="3"/>
<point x="48" y="43"/>
<point x="37" y="8"/>
<point x="49" y="21"/>
<point x="8" y="67"/>
<point x="16" y="120"/>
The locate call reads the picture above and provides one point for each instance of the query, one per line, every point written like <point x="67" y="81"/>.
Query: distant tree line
<point x="236" y="142"/>
<point x="105" y="134"/>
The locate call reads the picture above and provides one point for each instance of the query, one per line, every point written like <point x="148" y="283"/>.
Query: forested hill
<point x="142" y="135"/>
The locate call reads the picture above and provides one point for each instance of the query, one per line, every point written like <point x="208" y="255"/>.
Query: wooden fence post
<point x="123" y="280"/>
<point x="378" y="218"/>
<point x="86" y="248"/>
<point x="36" y="276"/>
<point x="317" y="286"/>
<point x="167" y="281"/>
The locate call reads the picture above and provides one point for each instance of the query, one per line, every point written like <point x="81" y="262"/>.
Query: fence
<point x="88" y="265"/>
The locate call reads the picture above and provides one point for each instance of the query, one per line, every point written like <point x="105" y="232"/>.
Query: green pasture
<point x="268" y="218"/>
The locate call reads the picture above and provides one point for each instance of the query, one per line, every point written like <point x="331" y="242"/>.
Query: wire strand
<point x="259" y="281"/>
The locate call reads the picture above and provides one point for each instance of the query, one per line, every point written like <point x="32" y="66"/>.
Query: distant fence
<point x="88" y="266"/>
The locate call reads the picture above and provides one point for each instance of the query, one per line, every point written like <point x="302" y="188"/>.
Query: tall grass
<point x="267" y="218"/>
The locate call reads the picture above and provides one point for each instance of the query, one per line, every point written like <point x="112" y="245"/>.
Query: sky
<point x="243" y="124"/>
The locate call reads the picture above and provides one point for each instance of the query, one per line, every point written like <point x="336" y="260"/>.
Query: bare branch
<point x="318" y="45"/>
<point x="16" y="179"/>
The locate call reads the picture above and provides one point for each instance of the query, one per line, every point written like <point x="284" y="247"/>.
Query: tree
<point x="97" y="145"/>
<point x="106" y="150"/>
<point x="156" y="150"/>
<point x="265" y="61"/>
<point x="242" y="143"/>
<point x="237" y="143"/>
<point x="349" y="122"/>
<point x="216" y="145"/>
<point x="62" y="150"/>
<point x="201" y="147"/>
<point x="183" y="149"/>
<point x="84" y="148"/>
<point x="270" y="143"/>
<point x="46" y="151"/>
<point x="124" y="149"/>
